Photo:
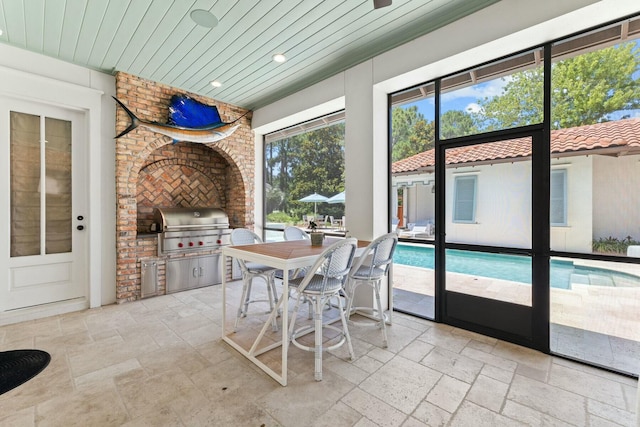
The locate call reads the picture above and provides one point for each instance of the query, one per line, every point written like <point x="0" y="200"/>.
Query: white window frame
<point x="456" y="194"/>
<point x="558" y="199"/>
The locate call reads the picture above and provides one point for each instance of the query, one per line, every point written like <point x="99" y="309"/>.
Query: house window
<point x="464" y="207"/>
<point x="558" y="216"/>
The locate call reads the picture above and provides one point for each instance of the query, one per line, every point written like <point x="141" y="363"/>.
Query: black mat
<point x="19" y="366"/>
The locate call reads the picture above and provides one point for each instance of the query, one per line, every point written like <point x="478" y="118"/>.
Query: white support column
<point x="366" y="165"/>
<point x="365" y="154"/>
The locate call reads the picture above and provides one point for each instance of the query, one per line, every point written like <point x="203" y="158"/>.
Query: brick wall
<point x="184" y="174"/>
<point x="152" y="171"/>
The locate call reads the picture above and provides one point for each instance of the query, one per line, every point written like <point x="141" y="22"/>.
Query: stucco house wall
<point x="616" y="199"/>
<point x="503" y="204"/>
<point x="419" y="203"/>
<point x="576" y="235"/>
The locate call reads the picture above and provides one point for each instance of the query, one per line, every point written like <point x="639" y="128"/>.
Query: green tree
<point x="279" y="157"/>
<point x="318" y="167"/>
<point x="456" y="123"/>
<point x="519" y="104"/>
<point x="589" y="87"/>
<point x="274" y="198"/>
<point x="410" y="133"/>
<point x="586" y="89"/>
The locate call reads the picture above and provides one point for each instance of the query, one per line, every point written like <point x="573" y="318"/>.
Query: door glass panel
<point x="499" y="277"/>
<point x="30" y="192"/>
<point x="488" y="194"/>
<point x="25" y="184"/>
<point x="58" y="185"/>
<point x="488" y="203"/>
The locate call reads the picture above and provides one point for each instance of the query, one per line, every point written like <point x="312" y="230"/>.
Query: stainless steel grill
<point x="191" y="229"/>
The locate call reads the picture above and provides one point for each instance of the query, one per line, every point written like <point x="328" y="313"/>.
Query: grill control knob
<point x="201" y="243"/>
<point x="190" y="243"/>
<point x="219" y="241"/>
<point x="180" y="245"/>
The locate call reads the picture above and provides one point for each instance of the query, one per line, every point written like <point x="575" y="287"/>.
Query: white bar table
<point x="286" y="256"/>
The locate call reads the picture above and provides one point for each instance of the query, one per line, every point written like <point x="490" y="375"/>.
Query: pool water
<point x="511" y="267"/>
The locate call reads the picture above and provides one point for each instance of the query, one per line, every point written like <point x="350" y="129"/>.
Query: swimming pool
<point x="512" y="267"/>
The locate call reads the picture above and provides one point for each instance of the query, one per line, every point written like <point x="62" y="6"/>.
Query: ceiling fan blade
<point x="377" y="4"/>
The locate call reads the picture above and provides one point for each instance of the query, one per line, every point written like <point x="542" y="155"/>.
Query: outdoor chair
<point x="330" y="273"/>
<point x="295" y="233"/>
<point x="251" y="271"/>
<point x="417" y="230"/>
<point x="370" y="269"/>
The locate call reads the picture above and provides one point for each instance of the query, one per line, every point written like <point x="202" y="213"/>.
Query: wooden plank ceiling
<point x="157" y="39"/>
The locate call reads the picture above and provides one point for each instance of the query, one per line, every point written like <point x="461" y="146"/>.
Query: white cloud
<point x="479" y="91"/>
<point x="473" y="108"/>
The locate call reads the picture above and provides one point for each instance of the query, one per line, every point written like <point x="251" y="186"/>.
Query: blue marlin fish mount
<point x="189" y="121"/>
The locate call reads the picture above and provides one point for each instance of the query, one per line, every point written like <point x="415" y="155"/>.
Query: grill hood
<point x="190" y="218"/>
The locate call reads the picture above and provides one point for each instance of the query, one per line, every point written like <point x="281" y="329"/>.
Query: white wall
<point x="505" y="27"/>
<point x="39" y="78"/>
<point x="616" y="197"/>
<point x="419" y="204"/>
<point x="577" y="235"/>
<point x="503" y="204"/>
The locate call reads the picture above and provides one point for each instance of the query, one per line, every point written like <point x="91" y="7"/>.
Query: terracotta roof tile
<point x="621" y="133"/>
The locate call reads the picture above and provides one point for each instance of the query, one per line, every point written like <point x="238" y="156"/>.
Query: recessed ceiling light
<point x="204" y="18"/>
<point x="216" y="83"/>
<point x="278" y="57"/>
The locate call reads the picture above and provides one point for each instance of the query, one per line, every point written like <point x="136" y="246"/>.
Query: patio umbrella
<point x="315" y="198"/>
<point x="338" y="198"/>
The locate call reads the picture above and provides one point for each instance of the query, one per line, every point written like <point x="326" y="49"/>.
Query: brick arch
<point x="175" y="183"/>
<point x="239" y="182"/>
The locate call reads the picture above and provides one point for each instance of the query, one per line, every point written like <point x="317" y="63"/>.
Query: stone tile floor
<point x="161" y="362"/>
<point x="600" y="325"/>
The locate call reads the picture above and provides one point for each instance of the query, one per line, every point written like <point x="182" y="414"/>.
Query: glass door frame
<point x="515" y="323"/>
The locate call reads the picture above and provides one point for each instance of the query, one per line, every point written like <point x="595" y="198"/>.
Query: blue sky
<point x="462" y="99"/>
<point x="465" y="99"/>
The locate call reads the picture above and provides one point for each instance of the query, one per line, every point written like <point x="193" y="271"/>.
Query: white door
<point x="42" y="212"/>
